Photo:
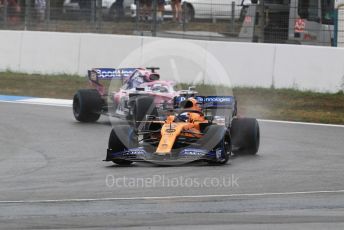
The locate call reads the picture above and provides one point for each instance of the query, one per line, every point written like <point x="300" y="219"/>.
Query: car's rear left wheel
<point x="87" y="105"/>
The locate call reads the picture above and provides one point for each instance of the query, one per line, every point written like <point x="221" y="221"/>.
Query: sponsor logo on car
<point x="137" y="151"/>
<point x="193" y="152"/>
<point x="218" y="99"/>
<point x="209" y="99"/>
<point x="109" y="73"/>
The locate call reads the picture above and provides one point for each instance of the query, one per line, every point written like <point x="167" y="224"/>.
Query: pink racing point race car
<point x="141" y="87"/>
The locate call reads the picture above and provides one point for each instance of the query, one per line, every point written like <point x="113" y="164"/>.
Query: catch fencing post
<point x="27" y="14"/>
<point x="93" y="11"/>
<point x="183" y="16"/>
<point x="47" y="13"/>
<point x="154" y="21"/>
<point x="99" y="15"/>
<point x="233" y="18"/>
<point x="137" y="18"/>
<point x="335" y="36"/>
<point x="5" y="13"/>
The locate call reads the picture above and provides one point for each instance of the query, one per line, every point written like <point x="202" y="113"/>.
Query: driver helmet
<point x="191" y="103"/>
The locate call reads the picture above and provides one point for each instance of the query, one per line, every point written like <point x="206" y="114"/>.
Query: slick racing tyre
<point x="245" y="136"/>
<point x="119" y="142"/>
<point x="87" y="105"/>
<point x="143" y="106"/>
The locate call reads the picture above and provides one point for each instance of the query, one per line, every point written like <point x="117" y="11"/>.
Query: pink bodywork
<point x="159" y="97"/>
<point x="150" y="80"/>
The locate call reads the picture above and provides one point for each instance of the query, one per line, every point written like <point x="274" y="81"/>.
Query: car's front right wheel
<point x="225" y="148"/>
<point x="217" y="139"/>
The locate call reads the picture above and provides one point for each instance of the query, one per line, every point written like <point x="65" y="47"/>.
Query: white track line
<point x="41" y="103"/>
<point x="301" y="123"/>
<point x="175" y="197"/>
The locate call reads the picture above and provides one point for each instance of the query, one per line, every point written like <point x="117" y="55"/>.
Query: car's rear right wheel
<point x="245" y="135"/>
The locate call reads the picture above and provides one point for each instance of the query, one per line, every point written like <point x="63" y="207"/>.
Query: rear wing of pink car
<point x="96" y="74"/>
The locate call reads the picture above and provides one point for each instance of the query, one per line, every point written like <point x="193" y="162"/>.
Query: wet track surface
<point x="52" y="176"/>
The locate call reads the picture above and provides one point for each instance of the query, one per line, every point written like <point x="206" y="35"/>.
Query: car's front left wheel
<point x="121" y="138"/>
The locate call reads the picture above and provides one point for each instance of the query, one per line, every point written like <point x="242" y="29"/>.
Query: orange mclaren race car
<point x="196" y="129"/>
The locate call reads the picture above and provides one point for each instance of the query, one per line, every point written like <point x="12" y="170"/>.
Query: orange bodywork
<point x="171" y="130"/>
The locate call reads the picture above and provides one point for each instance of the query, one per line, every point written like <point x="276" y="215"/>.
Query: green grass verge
<point x="281" y="104"/>
<point x="53" y="86"/>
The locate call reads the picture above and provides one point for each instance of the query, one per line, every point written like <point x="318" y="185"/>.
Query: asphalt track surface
<point x="52" y="176"/>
